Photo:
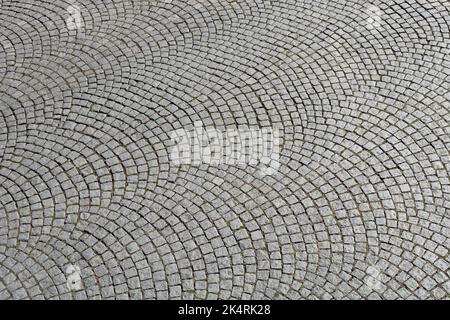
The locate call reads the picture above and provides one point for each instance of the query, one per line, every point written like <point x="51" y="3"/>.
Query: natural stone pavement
<point x="359" y="208"/>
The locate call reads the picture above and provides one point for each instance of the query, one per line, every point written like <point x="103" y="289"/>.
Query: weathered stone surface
<point x="359" y="207"/>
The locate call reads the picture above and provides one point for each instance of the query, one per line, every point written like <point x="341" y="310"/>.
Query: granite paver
<point x="91" y="205"/>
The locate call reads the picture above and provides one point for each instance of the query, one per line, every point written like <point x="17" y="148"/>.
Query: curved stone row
<point x="92" y="207"/>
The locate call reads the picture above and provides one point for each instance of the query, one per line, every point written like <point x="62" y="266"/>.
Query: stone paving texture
<point x="359" y="208"/>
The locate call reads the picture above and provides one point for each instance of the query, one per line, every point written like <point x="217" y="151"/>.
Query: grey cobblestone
<point x="359" y="208"/>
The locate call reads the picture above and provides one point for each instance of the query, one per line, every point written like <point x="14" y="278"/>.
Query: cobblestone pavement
<point x="91" y="205"/>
